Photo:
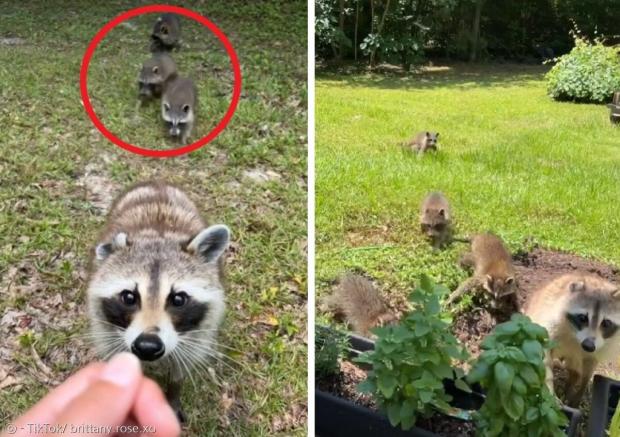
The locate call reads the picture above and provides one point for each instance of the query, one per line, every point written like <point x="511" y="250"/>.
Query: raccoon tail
<point x="461" y="239"/>
<point x="362" y="304"/>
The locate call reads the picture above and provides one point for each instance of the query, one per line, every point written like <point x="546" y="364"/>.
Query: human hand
<point x="103" y="399"/>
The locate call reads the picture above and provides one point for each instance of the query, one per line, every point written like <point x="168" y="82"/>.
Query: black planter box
<point x="614" y="108"/>
<point x="614" y="113"/>
<point x="337" y="417"/>
<point x="605" y="394"/>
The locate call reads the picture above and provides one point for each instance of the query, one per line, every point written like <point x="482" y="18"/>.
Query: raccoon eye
<point x="179" y="299"/>
<point x="606" y="324"/>
<point x="582" y="318"/>
<point x="128" y="297"/>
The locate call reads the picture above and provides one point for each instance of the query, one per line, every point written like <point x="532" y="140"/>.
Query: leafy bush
<point x="329" y="347"/>
<point x="411" y="359"/>
<point x="512" y="371"/>
<point x="614" y="426"/>
<point x="589" y="73"/>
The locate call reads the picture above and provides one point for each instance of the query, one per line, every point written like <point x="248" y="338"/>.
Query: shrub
<point x="411" y="359"/>
<point x="589" y="73"/>
<point x="614" y="425"/>
<point x="329" y="347"/>
<point x="512" y="371"/>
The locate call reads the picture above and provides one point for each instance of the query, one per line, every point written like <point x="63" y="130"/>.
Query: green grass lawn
<point x="511" y="161"/>
<point x="55" y="167"/>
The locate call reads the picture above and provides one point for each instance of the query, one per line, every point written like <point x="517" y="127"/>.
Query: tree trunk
<point x="381" y="24"/>
<point x="357" y="19"/>
<point x="372" y="27"/>
<point x="341" y="27"/>
<point x="475" y="31"/>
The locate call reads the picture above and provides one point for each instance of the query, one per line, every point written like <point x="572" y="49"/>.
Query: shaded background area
<point x="58" y="175"/>
<point x="405" y="33"/>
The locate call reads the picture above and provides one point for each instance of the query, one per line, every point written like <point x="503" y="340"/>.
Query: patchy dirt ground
<point x="534" y="270"/>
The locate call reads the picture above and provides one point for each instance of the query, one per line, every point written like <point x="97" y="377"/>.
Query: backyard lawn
<point x="511" y="160"/>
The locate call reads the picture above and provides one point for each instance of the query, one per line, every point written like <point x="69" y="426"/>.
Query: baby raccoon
<point x="361" y="304"/>
<point x="166" y="33"/>
<point x="178" y="107"/>
<point x="424" y="141"/>
<point x="582" y="315"/>
<point x="493" y="271"/>
<point x="155" y="75"/>
<point x="155" y="285"/>
<point x="436" y="219"/>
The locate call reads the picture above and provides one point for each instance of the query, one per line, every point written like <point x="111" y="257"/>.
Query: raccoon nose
<point x="148" y="347"/>
<point x="588" y="345"/>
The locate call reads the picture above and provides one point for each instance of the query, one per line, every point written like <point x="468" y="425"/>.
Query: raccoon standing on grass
<point x="155" y="284"/>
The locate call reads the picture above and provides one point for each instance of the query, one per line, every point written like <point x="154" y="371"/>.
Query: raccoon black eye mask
<point x="185" y="313"/>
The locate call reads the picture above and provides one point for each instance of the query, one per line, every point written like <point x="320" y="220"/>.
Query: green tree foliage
<point x="411" y="359"/>
<point x="512" y="371"/>
<point x="405" y="31"/>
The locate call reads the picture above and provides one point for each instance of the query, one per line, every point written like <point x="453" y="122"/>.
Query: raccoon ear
<point x="577" y="286"/>
<point x="442" y="212"/>
<point x="210" y="243"/>
<point x="166" y="106"/>
<point x="428" y="134"/>
<point x="510" y="280"/>
<point x="437" y="134"/>
<point x="104" y="250"/>
<point x="488" y="283"/>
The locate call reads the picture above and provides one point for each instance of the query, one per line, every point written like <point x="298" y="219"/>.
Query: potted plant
<point x="511" y="370"/>
<point x="605" y="395"/>
<point x="411" y="376"/>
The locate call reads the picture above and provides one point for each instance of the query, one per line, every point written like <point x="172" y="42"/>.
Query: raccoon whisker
<point x="210" y="342"/>
<point x="100" y="335"/>
<point x="198" y="362"/>
<point x="118" y="347"/>
<point x="218" y="356"/>
<point x="183" y="365"/>
<point x="207" y="347"/>
<point x="105" y="322"/>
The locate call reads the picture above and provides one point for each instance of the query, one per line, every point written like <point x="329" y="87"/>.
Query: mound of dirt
<point x="534" y="270"/>
<point x="539" y="267"/>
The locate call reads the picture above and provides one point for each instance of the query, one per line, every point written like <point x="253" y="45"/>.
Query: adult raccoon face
<point x="153" y="295"/>
<point x="594" y="314"/>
